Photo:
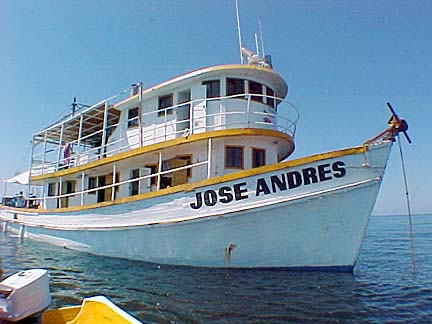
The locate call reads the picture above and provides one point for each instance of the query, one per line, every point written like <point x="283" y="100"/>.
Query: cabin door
<point x="183" y="111"/>
<point x="108" y="191"/>
<point x="104" y="194"/>
<point x="101" y="192"/>
<point x="179" y="177"/>
<point x="199" y="109"/>
<point x="67" y="187"/>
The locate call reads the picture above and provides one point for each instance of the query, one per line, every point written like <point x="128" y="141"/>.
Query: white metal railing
<point x="112" y="186"/>
<point x="248" y="113"/>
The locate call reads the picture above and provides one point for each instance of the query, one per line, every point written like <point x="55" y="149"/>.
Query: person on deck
<point x="19" y="200"/>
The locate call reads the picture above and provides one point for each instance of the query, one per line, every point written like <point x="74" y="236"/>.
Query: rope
<point x="408" y="206"/>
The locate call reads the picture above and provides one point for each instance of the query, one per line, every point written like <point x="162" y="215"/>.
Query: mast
<point x="239" y="32"/>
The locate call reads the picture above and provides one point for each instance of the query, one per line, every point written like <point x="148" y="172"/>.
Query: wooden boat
<point x="94" y="310"/>
<point x="24" y="294"/>
<point x="195" y="171"/>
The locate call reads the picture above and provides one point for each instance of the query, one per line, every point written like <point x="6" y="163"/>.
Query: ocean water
<point x="382" y="289"/>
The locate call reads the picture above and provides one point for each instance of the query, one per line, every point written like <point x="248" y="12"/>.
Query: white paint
<point x="316" y="225"/>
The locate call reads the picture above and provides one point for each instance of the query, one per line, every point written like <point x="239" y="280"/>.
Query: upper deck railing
<point x="100" y="131"/>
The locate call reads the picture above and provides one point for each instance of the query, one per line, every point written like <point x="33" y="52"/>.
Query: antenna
<point x="74" y="106"/>
<point x="239" y="32"/>
<point x="261" y="38"/>
<point x="256" y="45"/>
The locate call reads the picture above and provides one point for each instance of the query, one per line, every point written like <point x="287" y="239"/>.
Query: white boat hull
<point x="314" y="225"/>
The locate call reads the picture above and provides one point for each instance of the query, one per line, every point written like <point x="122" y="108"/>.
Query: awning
<point x="92" y="123"/>
<point x="22" y="178"/>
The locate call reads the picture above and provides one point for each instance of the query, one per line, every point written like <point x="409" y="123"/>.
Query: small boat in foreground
<point x="24" y="294"/>
<point x="94" y="310"/>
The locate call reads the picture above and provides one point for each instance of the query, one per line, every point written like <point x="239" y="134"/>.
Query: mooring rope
<point x="408" y="206"/>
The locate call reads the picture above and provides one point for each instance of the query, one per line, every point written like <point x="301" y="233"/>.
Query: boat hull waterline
<point x="310" y="216"/>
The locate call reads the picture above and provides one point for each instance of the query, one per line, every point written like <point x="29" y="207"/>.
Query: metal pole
<point x="82" y="188"/>
<point x="209" y="158"/>
<point x="74" y="106"/>
<point x="239" y="32"/>
<point x="191" y="117"/>
<point x="44" y="151"/>
<point x="60" y="192"/>
<point x="77" y="161"/>
<point x="31" y="165"/>
<point x="248" y="109"/>
<point x="43" y="195"/>
<point x="103" y="148"/>
<point x="60" y="145"/>
<point x="408" y="206"/>
<point x="114" y="180"/>
<point x="159" y="171"/>
<point x="140" y="115"/>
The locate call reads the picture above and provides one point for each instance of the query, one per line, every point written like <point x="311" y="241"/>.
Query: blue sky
<point x="343" y="60"/>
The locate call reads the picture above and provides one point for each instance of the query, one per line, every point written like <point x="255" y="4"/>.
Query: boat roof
<point x="263" y="74"/>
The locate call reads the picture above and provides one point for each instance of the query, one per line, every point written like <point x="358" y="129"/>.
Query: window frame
<point x="162" y="107"/>
<point x="235" y="89"/>
<point x="255" y="98"/>
<point x="213" y="88"/>
<point x="233" y="166"/>
<point x="94" y="186"/>
<point x="270" y="101"/>
<point x="134" y="122"/>
<point x="52" y="189"/>
<point x="153" y="170"/>
<point x="253" y="160"/>
<point x="134" y="184"/>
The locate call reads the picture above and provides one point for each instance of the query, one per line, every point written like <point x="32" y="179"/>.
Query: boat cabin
<point x="203" y="124"/>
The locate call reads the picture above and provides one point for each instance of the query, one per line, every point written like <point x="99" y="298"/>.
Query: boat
<point x="24" y="294"/>
<point x="97" y="310"/>
<point x="195" y="171"/>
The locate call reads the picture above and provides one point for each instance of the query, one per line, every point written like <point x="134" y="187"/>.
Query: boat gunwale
<point x="285" y="200"/>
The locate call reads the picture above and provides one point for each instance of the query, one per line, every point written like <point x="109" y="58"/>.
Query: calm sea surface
<point x="381" y="290"/>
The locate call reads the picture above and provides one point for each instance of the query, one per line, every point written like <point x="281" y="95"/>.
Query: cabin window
<point x="51" y="189"/>
<point x="255" y="88"/>
<point x="234" y="87"/>
<point x="70" y="186"/>
<point x="188" y="159"/>
<point x="270" y="101"/>
<point x="212" y="88"/>
<point x="153" y="170"/>
<point x="134" y="185"/>
<point x="258" y="157"/>
<point x="234" y="157"/>
<point x="165" y="102"/>
<point x="133" y="117"/>
<point x="92" y="185"/>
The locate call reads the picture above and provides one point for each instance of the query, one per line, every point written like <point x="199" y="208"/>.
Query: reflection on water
<point x="381" y="289"/>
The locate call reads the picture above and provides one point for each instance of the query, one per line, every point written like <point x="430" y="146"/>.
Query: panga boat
<point x="24" y="294"/>
<point x="97" y="310"/>
<point x="194" y="171"/>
